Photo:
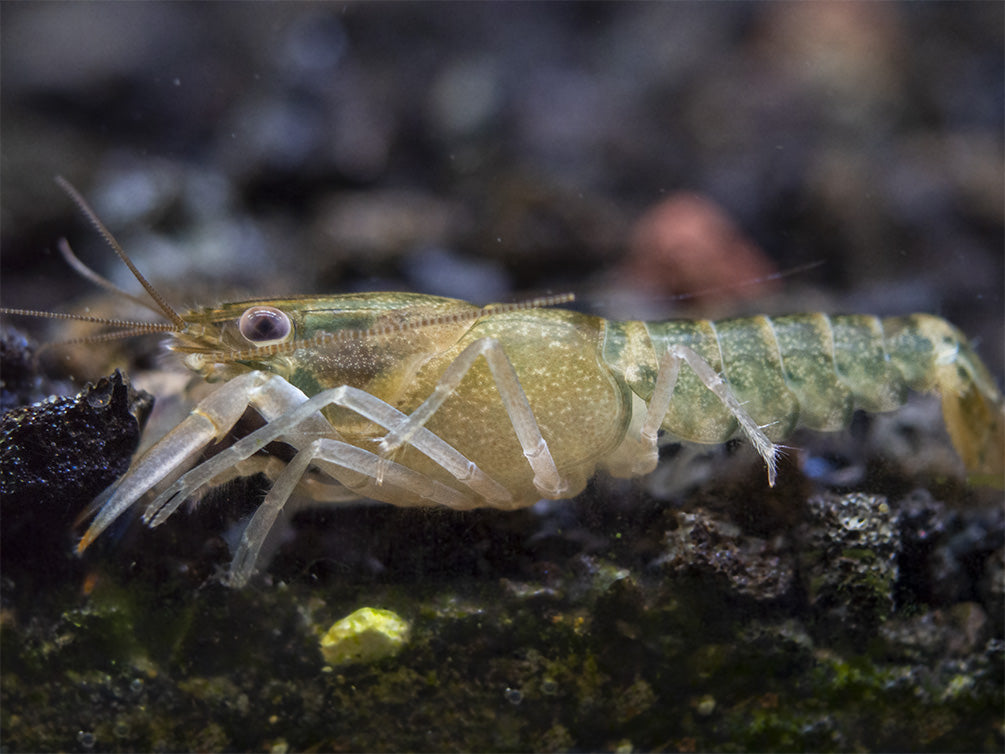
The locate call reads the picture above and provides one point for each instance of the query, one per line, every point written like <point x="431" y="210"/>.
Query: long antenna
<point x="79" y="200"/>
<point x="88" y="274"/>
<point x="131" y="324"/>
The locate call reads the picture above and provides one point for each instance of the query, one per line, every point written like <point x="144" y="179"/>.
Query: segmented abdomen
<point x="808" y="369"/>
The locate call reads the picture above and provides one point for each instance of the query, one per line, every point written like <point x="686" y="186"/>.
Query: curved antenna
<point x="90" y="275"/>
<point x="799" y="269"/>
<point x="84" y="207"/>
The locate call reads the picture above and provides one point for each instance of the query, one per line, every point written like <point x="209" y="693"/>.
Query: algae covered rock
<point x="706" y="544"/>
<point x="849" y="560"/>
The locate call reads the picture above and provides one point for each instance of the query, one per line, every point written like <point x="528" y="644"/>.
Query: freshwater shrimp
<point x="419" y="400"/>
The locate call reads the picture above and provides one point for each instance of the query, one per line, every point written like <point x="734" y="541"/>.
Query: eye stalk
<point x="265" y="325"/>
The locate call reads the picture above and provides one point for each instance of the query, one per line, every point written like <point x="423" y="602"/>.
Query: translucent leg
<point x="290" y="427"/>
<point x="334" y="456"/>
<point x="666" y="380"/>
<point x="210" y="420"/>
<point x="271" y="467"/>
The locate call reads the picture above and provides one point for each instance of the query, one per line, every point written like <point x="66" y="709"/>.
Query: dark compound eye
<point x="264" y="325"/>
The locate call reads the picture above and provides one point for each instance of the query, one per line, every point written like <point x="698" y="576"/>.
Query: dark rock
<point x="55" y="457"/>
<point x="849" y="562"/>
<point x="706" y="545"/>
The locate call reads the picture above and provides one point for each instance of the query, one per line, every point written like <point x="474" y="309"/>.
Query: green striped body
<point x="809" y="370"/>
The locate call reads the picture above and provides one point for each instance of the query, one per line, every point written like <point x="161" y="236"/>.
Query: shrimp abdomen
<point x="814" y="370"/>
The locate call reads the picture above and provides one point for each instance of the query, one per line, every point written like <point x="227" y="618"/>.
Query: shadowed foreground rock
<point x="55" y="455"/>
<point x="708" y="637"/>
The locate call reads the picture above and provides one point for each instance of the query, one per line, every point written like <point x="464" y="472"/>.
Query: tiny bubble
<point x="99" y="400"/>
<point x="513" y="696"/>
<point x="176" y="81"/>
<point x="86" y="739"/>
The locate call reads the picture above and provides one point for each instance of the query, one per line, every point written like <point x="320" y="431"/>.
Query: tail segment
<point x="935" y="356"/>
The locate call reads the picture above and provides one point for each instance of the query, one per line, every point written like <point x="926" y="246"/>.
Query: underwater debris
<point x="368" y="635"/>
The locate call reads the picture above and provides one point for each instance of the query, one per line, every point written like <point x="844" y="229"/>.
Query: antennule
<point x="88" y="274"/>
<point x="540" y="302"/>
<point x="81" y="203"/>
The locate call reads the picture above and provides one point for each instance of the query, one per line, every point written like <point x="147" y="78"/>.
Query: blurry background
<point x="629" y="153"/>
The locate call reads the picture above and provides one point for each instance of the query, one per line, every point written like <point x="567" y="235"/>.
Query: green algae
<point x="367" y="635"/>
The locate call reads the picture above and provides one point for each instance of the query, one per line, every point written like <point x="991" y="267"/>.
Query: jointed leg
<point x="334" y="456"/>
<point x="310" y="486"/>
<point x="292" y="417"/>
<point x="666" y="380"/>
<point x="210" y="420"/>
<point x="290" y="428"/>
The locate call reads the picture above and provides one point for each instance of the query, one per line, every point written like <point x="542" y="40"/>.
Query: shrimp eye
<point x="264" y="325"/>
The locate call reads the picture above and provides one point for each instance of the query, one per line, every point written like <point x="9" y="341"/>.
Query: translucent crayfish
<point x="418" y="400"/>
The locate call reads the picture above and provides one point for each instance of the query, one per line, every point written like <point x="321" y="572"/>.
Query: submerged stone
<point x="367" y="635"/>
<point x="55" y="457"/>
